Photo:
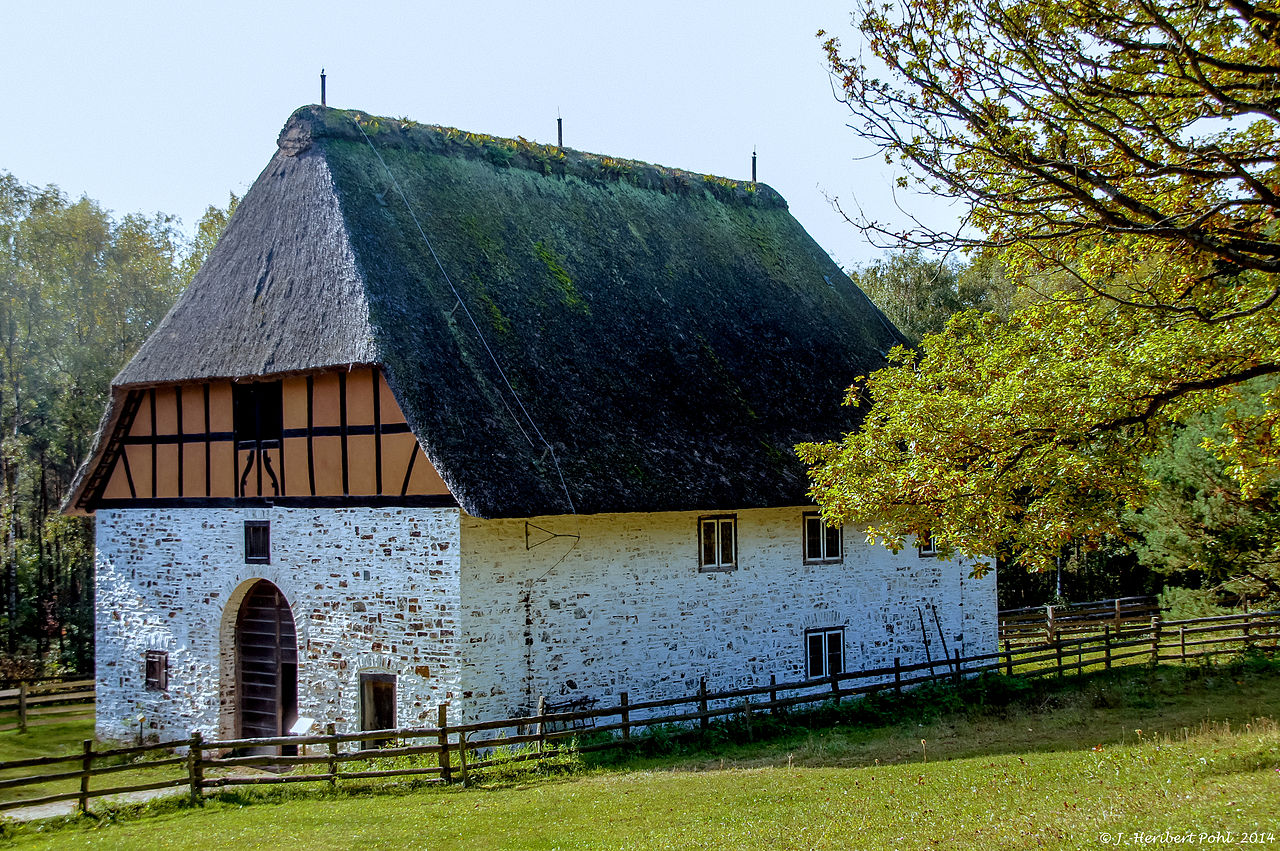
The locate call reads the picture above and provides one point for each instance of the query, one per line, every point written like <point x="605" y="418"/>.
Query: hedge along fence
<point x="45" y="703"/>
<point x="454" y="753"/>
<point x="1046" y="624"/>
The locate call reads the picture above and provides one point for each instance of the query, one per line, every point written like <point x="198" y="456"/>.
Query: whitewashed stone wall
<point x="370" y="589"/>
<point x="463" y="612"/>
<point x="626" y="608"/>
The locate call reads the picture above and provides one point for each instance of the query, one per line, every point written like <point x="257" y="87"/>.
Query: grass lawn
<point x="1179" y="750"/>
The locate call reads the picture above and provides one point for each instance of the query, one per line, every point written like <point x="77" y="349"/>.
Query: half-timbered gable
<point x="324" y="438"/>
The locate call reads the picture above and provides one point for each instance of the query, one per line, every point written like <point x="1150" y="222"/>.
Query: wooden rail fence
<point x="30" y="704"/>
<point x="452" y="753"/>
<point x="1047" y="624"/>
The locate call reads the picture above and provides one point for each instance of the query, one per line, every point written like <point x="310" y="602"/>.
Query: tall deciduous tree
<point x="1121" y="156"/>
<point x="79" y="292"/>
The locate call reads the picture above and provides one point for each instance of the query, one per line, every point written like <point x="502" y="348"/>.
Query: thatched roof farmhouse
<point x="411" y="346"/>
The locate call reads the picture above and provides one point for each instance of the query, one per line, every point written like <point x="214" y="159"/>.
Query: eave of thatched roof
<point x="670" y="336"/>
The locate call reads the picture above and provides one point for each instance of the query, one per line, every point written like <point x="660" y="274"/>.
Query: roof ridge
<point x="311" y="123"/>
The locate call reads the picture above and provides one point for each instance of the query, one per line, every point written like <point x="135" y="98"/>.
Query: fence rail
<point x="1047" y="624"/>
<point x="33" y="704"/>
<point x="449" y="753"/>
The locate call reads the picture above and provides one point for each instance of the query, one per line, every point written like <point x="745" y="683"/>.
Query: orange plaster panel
<point x="396" y="451"/>
<point x="325" y="400"/>
<point x="388" y="408"/>
<point x="140" y="466"/>
<point x="222" y="469"/>
<point x="166" y="411"/>
<point x="360" y="397"/>
<point x="361" y="475"/>
<point x="297" y="482"/>
<point x="118" y="484"/>
<point x="328" y="461"/>
<point x="142" y="422"/>
<point x="166" y="469"/>
<point x="193" y="414"/>
<point x="294" y="396"/>
<point x="425" y="478"/>
<point x="221" y="416"/>
<point x="192" y="465"/>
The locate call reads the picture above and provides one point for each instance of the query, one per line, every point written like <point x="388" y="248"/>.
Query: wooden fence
<point x="1047" y="624"/>
<point x="449" y="753"/>
<point x="45" y="703"/>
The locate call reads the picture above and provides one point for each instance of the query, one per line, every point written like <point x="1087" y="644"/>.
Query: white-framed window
<point x="718" y="542"/>
<point x="823" y="652"/>
<point x="925" y="546"/>
<point x="822" y="543"/>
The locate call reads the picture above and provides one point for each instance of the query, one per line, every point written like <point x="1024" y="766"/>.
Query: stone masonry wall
<point x="625" y="607"/>
<point x="372" y="589"/>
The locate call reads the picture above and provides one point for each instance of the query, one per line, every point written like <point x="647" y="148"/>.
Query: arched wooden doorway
<point x="266" y="664"/>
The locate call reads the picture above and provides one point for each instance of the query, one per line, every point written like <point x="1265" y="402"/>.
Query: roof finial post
<point x="322" y="103"/>
<point x="753" y="165"/>
<point x="559" y="132"/>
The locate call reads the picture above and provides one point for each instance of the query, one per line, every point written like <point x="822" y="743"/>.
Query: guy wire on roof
<point x="474" y="324"/>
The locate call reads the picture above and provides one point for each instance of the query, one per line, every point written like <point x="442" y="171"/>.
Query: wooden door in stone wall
<point x="266" y="664"/>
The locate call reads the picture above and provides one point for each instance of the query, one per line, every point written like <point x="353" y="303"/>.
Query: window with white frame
<point x="718" y="542"/>
<point x="824" y="652"/>
<point x="822" y="543"/>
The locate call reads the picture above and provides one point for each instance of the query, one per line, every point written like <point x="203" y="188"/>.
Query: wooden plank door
<point x="266" y="663"/>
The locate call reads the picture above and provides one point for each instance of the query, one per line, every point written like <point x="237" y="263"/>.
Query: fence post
<point x="1050" y="628"/>
<point x="1057" y="651"/>
<point x="897" y="675"/>
<point x="1248" y="635"/>
<point x="1008" y="658"/>
<point x="956" y="676"/>
<point x="541" y="727"/>
<point x="1117" y="616"/>
<point x="625" y="701"/>
<point x="22" y="706"/>
<point x="331" y="731"/>
<point x="86" y="765"/>
<point x="1106" y="644"/>
<point x="835" y="688"/>
<point x="442" y="738"/>
<point x="746" y="712"/>
<point x="195" y="767"/>
<point x="1155" y="642"/>
<point x="702" y="703"/>
<point x="462" y="755"/>
<point x="773" y="695"/>
<point x="1182" y="642"/>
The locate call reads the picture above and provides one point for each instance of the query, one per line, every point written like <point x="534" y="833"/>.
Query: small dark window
<point x="259" y="413"/>
<point x="257" y="542"/>
<point x="718" y="542"/>
<point x="822" y="543"/>
<point x="925" y="545"/>
<point x="157" y="670"/>
<point x="377" y="705"/>
<point x="824" y="652"/>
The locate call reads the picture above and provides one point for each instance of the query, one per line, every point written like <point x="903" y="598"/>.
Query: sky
<point x="170" y="106"/>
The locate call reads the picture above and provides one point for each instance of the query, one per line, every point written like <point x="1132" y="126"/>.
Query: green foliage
<point x="1179" y="603"/>
<point x="79" y="292"/>
<point x="920" y="294"/>
<point x="1197" y="517"/>
<point x="1128" y="188"/>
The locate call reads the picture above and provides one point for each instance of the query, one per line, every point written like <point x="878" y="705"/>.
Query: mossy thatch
<point x="671" y="335"/>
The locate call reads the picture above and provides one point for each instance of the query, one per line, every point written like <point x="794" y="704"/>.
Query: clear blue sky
<point x="169" y="106"/>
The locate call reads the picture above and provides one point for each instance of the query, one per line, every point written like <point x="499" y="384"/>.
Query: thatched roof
<point x="672" y="336"/>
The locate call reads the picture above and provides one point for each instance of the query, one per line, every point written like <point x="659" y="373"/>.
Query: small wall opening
<point x="377" y="704"/>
